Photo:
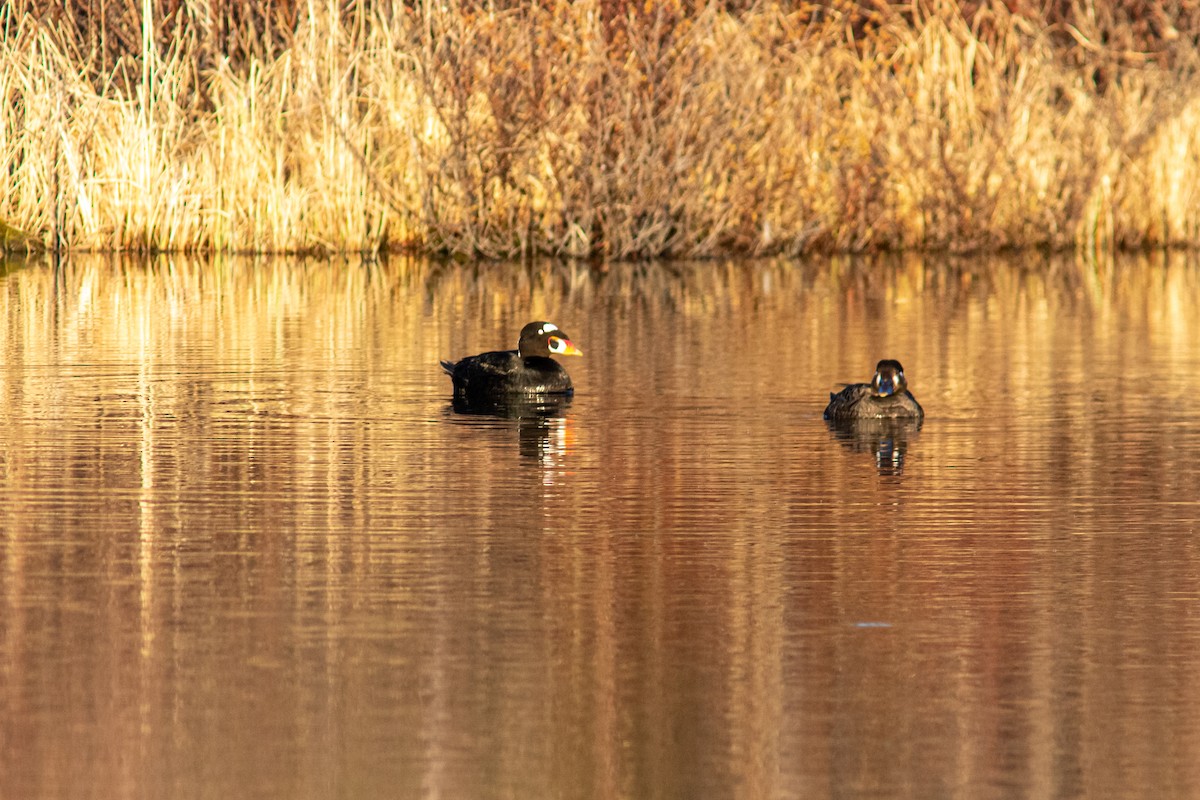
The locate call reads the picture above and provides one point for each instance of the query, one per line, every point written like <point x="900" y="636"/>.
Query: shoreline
<point x="600" y="130"/>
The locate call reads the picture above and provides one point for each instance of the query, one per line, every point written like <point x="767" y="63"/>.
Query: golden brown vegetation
<point x="597" y="128"/>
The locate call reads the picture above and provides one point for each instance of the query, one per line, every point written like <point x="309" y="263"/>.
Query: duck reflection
<point x="886" y="439"/>
<point x="543" y="429"/>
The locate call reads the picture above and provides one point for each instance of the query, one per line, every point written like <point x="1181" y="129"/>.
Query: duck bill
<point x="570" y="349"/>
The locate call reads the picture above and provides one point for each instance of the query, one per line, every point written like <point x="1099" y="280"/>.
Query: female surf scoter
<point x="885" y="397"/>
<point x="524" y="372"/>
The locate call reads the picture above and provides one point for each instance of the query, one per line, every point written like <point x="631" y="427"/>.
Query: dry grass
<point x="596" y="129"/>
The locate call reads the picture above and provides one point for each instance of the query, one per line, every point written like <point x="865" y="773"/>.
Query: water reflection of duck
<point x="885" y="397"/>
<point x="541" y="422"/>
<point x="514" y="406"/>
<point x="529" y="370"/>
<point x="885" y="438"/>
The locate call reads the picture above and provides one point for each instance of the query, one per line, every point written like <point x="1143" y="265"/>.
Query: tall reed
<point x="597" y="129"/>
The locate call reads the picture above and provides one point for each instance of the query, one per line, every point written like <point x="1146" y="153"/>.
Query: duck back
<point x="859" y="401"/>
<point x="505" y="372"/>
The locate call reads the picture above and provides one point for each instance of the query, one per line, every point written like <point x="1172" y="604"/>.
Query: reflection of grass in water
<point x="392" y="322"/>
<point x="255" y="312"/>
<point x="564" y="129"/>
<point x="313" y="341"/>
<point x="249" y="310"/>
<point x="253" y="307"/>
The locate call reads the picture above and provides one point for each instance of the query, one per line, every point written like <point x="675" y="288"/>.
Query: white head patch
<point x="549" y="326"/>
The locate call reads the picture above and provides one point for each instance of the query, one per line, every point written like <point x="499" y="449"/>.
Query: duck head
<point x="545" y="339"/>
<point x="889" y="378"/>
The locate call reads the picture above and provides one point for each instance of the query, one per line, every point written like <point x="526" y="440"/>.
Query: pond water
<point x="250" y="550"/>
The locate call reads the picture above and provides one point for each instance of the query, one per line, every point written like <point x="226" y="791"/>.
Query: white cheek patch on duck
<point x="557" y="345"/>
<point x="548" y="327"/>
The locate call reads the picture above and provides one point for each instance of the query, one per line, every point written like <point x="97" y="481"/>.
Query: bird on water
<point x="528" y="371"/>
<point x="885" y="397"/>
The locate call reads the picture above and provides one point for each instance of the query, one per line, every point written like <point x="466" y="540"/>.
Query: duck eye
<point x="556" y="344"/>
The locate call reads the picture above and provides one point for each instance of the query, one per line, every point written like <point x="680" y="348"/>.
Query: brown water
<point x="250" y="551"/>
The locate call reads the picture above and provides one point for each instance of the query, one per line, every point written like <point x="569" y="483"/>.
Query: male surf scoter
<point x="528" y="371"/>
<point x="885" y="397"/>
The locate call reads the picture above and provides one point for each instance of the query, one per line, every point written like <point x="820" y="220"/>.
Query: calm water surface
<point x="249" y="550"/>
